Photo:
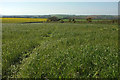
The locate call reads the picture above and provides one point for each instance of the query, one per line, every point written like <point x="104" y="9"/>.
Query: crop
<point x="22" y="20"/>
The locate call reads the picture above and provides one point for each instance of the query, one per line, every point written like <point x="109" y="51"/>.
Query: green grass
<point x="60" y="50"/>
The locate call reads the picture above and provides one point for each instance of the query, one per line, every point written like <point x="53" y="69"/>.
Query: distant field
<point x="39" y="20"/>
<point x="56" y="50"/>
<point x="22" y="20"/>
<point x="85" y="20"/>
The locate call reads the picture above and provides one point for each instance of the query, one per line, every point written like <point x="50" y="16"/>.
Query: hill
<point x="63" y="16"/>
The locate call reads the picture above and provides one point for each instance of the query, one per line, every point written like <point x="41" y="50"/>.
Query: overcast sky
<point x="88" y="7"/>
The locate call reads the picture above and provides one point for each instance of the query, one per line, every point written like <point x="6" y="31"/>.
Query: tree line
<point x="73" y="20"/>
<point x="55" y="19"/>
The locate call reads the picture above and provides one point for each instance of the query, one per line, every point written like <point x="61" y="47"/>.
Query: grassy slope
<point x="60" y="50"/>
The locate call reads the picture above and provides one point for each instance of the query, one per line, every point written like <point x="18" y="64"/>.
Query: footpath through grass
<point x="56" y="50"/>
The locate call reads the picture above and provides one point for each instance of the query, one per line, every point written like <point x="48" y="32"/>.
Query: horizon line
<point x="53" y="14"/>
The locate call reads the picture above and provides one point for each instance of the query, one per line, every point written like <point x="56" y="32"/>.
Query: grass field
<point x="60" y="50"/>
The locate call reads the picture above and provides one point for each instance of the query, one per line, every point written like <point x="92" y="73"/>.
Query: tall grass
<point x="56" y="50"/>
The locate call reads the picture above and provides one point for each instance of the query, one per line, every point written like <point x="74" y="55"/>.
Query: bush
<point x="53" y="19"/>
<point x="89" y="19"/>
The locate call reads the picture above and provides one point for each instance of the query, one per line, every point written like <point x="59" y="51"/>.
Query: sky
<point x="20" y="7"/>
<point x="59" y="0"/>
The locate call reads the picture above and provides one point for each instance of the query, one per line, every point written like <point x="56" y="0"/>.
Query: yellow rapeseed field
<point x="22" y="20"/>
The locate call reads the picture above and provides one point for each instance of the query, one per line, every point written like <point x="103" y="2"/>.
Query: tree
<point x="53" y="19"/>
<point x="73" y="20"/>
<point x="70" y="19"/>
<point x="89" y="19"/>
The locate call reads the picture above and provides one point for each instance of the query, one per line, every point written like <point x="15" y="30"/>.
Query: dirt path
<point x="28" y="57"/>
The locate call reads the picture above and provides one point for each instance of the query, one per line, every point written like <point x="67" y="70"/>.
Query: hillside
<point x="63" y="16"/>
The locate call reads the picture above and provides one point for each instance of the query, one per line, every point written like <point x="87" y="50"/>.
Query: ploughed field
<point x="59" y="50"/>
